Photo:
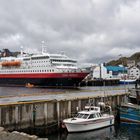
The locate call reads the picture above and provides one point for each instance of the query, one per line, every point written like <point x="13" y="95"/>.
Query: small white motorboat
<point x="90" y="119"/>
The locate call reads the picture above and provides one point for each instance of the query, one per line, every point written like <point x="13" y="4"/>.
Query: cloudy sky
<point x="89" y="30"/>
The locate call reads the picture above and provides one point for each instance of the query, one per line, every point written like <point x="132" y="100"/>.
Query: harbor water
<point x="117" y="132"/>
<point x="19" y="94"/>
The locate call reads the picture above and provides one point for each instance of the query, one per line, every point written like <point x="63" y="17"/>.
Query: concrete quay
<point x="45" y="112"/>
<point x="100" y="82"/>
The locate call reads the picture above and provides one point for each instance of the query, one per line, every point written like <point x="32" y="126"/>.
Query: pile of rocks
<point x="4" y="135"/>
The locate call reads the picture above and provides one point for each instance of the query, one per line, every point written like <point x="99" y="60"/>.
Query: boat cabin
<point x="93" y="108"/>
<point x="91" y="115"/>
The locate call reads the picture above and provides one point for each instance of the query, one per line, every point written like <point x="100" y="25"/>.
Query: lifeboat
<point x="28" y="85"/>
<point x="11" y="63"/>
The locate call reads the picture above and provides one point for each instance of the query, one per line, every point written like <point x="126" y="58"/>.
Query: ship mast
<point x="21" y="51"/>
<point x="44" y="48"/>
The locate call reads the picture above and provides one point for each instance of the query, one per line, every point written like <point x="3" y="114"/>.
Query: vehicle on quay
<point x="43" y="69"/>
<point x="90" y="119"/>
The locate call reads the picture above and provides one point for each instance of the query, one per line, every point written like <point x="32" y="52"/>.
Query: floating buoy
<point x="29" y="85"/>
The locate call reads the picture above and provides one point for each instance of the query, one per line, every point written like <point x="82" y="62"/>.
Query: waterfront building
<point x="134" y="72"/>
<point x="117" y="71"/>
<point x="131" y="63"/>
<point x="108" y="72"/>
<point x="100" y="71"/>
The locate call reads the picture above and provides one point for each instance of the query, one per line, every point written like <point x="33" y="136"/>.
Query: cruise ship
<point x="44" y="69"/>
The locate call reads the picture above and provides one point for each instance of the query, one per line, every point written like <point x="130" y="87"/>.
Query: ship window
<point x="92" y="116"/>
<point x="41" y="57"/>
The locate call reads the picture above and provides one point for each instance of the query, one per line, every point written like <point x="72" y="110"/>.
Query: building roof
<point x="116" y="68"/>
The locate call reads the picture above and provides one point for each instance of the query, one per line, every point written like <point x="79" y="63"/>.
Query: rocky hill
<point x="7" y="52"/>
<point x="123" y="60"/>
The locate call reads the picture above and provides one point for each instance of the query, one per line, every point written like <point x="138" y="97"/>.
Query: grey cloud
<point x="90" y="31"/>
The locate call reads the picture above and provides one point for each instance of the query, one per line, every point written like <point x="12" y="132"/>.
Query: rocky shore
<point x="15" y="135"/>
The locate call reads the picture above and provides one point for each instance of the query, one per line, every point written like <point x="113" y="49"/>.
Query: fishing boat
<point x="42" y="69"/>
<point x="130" y="111"/>
<point x="90" y="119"/>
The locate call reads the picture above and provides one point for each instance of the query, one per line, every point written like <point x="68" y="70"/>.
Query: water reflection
<point x="117" y="132"/>
<point x="127" y="132"/>
<point x="105" y="133"/>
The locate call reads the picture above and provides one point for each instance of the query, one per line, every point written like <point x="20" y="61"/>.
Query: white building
<point x="100" y="71"/>
<point x="134" y="72"/>
<point x="131" y="63"/>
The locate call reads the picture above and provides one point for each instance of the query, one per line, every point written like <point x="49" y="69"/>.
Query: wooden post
<point x="79" y="105"/>
<point x="118" y="100"/>
<point x="45" y="112"/>
<point x="58" y="113"/>
<point x="16" y="114"/>
<point x="69" y="108"/>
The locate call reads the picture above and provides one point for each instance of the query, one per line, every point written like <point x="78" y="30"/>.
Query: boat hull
<point x="47" y="80"/>
<point x="127" y="81"/>
<point x="89" y="125"/>
<point x="130" y="115"/>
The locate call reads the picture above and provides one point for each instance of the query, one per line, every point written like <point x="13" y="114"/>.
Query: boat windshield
<point x="80" y="115"/>
<point x="92" y="116"/>
<point x="85" y="116"/>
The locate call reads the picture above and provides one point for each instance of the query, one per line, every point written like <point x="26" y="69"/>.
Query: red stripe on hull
<point x="45" y="75"/>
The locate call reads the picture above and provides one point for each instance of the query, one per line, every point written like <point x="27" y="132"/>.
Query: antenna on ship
<point x="44" y="48"/>
<point x="21" y="51"/>
<point x="62" y="52"/>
